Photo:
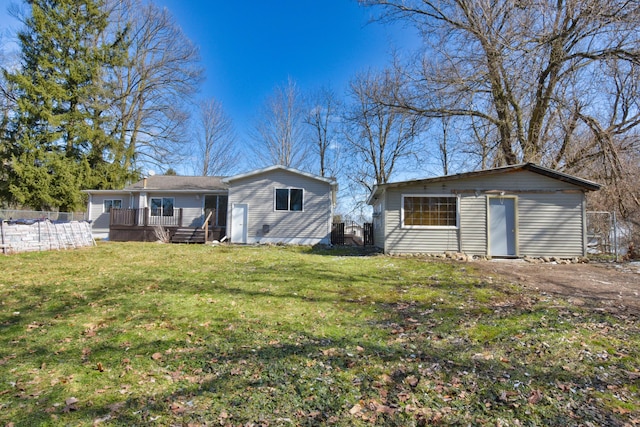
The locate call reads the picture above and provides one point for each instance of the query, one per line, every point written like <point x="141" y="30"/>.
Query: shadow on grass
<point x="414" y="351"/>
<point x="418" y="370"/>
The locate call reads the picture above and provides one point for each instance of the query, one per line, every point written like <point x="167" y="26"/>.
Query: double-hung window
<point x="429" y="211"/>
<point x="112" y="204"/>
<point x="289" y="199"/>
<point x="162" y="206"/>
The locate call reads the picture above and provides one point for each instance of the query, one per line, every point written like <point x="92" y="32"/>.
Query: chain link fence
<point x="602" y="234"/>
<point x="30" y="216"/>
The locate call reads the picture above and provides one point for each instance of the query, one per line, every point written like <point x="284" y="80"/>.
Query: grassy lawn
<point x="150" y="334"/>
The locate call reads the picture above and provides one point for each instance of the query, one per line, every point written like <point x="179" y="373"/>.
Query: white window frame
<point x="162" y="206"/>
<point x="430" y="227"/>
<point x="275" y="195"/>
<point x="104" y="208"/>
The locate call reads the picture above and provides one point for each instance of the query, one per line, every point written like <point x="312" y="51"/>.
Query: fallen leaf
<point x="535" y="396"/>
<point x="329" y="352"/>
<point x="482" y="356"/>
<point x="177" y="408"/>
<point x="412" y="380"/>
<point x="70" y="405"/>
<point x="101" y="420"/>
<point x="403" y="396"/>
<point x="314" y="414"/>
<point x="115" y="407"/>
<point x="356" y="409"/>
<point x="156" y="356"/>
<point x="384" y="409"/>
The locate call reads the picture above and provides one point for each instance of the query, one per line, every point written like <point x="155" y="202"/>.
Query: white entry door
<point x="239" y="223"/>
<point x="502" y="226"/>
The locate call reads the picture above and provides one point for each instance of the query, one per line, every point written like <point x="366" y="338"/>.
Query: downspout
<point x="459" y="224"/>
<point x="89" y="207"/>
<point x="4" y="249"/>
<point x="584" y="224"/>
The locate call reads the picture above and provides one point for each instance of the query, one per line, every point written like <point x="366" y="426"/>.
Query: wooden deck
<point x="135" y="233"/>
<point x="136" y="225"/>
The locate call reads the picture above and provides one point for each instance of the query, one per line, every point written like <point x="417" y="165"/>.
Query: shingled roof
<point x="179" y="183"/>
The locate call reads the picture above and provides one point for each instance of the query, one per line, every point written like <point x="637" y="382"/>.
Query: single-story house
<point x="281" y="205"/>
<point x="512" y="211"/>
<point x="171" y="202"/>
<point x="271" y="205"/>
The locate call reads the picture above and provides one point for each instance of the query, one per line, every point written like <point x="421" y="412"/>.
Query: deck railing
<point x="142" y="218"/>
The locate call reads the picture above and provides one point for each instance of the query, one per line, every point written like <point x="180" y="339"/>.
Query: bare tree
<point x="154" y="87"/>
<point x="280" y="132"/>
<point x="378" y="135"/>
<point x="7" y="97"/>
<point x="323" y="119"/>
<point x="215" y="135"/>
<point x="523" y="69"/>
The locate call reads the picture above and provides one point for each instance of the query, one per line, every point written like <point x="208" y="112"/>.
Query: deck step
<point x="188" y="235"/>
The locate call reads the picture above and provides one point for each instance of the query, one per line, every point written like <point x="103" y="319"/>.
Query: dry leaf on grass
<point x="356" y="409"/>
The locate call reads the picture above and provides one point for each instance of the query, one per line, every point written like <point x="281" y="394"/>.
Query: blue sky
<point x="250" y="47"/>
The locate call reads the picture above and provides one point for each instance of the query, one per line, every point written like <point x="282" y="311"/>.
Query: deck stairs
<point x="188" y="235"/>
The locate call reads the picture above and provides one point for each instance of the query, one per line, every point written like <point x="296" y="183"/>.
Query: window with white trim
<point x="430" y="211"/>
<point x="288" y="199"/>
<point x="161" y="206"/>
<point x="108" y="204"/>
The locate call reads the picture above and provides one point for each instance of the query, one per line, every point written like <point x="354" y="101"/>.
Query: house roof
<point x="179" y="183"/>
<point x="531" y="167"/>
<point x="331" y="181"/>
<point x="171" y="183"/>
<point x="199" y="184"/>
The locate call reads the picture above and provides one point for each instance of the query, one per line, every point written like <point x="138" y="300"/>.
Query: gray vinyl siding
<point x="98" y="217"/>
<point x="473" y="223"/>
<point x="403" y="240"/>
<point x="258" y="192"/>
<point x="550" y="222"/>
<point x="191" y="204"/>
<point x="551" y="225"/>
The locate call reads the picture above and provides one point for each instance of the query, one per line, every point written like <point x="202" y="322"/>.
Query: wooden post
<point x="206" y="226"/>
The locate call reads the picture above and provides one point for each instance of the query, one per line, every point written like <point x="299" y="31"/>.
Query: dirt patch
<point x="607" y="286"/>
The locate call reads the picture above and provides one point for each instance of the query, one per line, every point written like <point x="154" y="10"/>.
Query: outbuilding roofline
<point x="532" y="167"/>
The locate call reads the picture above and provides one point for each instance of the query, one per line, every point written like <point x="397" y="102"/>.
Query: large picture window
<point x="162" y="206"/>
<point x="112" y="204"/>
<point x="288" y="199"/>
<point x="430" y="211"/>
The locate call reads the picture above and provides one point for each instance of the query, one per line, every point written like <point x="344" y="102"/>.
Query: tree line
<point x="99" y="88"/>
<point x="104" y="86"/>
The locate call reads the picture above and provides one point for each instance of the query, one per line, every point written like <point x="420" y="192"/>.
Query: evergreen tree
<point x="59" y="141"/>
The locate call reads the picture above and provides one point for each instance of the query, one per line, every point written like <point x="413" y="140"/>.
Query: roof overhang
<point x="586" y="185"/>
<point x="230" y="179"/>
<point x="156" y="190"/>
